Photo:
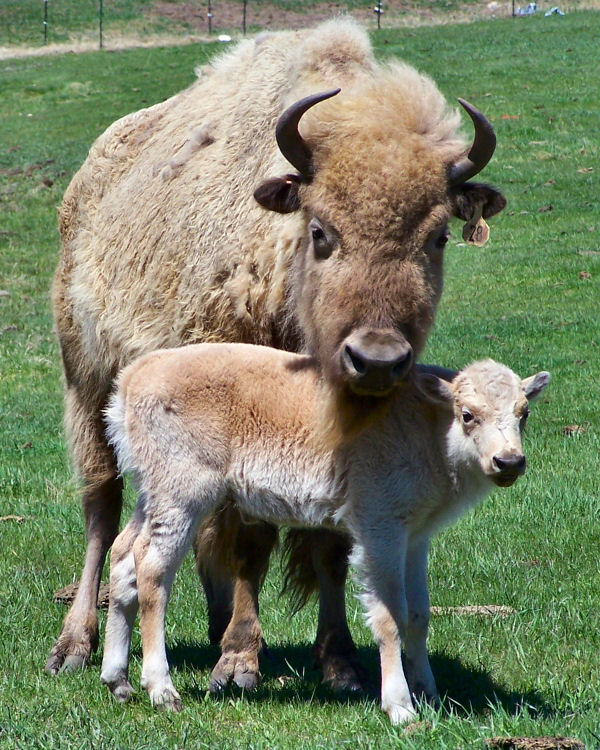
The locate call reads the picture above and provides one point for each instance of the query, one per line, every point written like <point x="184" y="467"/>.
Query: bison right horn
<point x="481" y="150"/>
<point x="290" y="142"/>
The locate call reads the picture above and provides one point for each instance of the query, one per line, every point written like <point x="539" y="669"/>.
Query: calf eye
<point x="466" y="416"/>
<point x="523" y="419"/>
<point x="321" y="245"/>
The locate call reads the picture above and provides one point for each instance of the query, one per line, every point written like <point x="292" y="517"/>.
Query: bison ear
<point x="279" y="194"/>
<point x="434" y="389"/>
<point x="534" y="385"/>
<point x="466" y="199"/>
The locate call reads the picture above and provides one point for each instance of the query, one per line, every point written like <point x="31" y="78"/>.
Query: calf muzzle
<point x="375" y="361"/>
<point x="508" y="469"/>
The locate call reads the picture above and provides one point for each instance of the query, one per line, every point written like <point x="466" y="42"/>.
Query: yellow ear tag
<point x="476" y="231"/>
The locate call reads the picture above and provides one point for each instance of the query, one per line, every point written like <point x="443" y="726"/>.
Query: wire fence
<point x="43" y="22"/>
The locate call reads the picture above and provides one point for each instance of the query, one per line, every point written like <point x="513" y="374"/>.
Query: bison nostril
<point x="514" y="464"/>
<point x="358" y="363"/>
<point x="402" y="365"/>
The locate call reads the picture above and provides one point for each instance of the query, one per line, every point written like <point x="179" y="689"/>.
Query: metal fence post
<point x="45" y="21"/>
<point x="209" y="16"/>
<point x="100" y="14"/>
<point x="244" y="18"/>
<point x="378" y="11"/>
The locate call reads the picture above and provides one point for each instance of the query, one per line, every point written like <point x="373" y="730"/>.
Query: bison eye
<point x="322" y="246"/>
<point x="467" y="416"/>
<point x="442" y="240"/>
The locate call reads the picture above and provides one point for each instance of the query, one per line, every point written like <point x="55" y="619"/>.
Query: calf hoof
<point x="121" y="690"/>
<point x="165" y="699"/>
<point x="400" y="714"/>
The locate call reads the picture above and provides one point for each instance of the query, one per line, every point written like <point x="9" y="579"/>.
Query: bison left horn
<point x="290" y="142"/>
<point x="482" y="149"/>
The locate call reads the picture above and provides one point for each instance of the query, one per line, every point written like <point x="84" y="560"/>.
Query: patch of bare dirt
<point x="67" y="594"/>
<point x="534" y="743"/>
<point x="481" y="610"/>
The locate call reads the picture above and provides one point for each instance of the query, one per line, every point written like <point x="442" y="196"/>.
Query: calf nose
<point x="373" y="362"/>
<point x="510" y="465"/>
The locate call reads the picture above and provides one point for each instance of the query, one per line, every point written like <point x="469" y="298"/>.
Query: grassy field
<point x="529" y="298"/>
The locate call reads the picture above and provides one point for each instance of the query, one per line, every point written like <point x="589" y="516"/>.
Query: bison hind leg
<point x="318" y="560"/>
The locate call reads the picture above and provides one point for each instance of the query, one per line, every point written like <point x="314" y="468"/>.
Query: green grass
<point x="521" y="299"/>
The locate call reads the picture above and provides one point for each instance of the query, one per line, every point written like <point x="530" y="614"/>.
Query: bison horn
<point x="481" y="151"/>
<point x="290" y="142"/>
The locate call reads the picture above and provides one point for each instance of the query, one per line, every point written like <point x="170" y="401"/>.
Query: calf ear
<point x="434" y="389"/>
<point x="466" y="199"/>
<point x="534" y="385"/>
<point x="279" y="194"/>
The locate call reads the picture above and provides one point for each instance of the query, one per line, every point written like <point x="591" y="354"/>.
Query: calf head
<point x="379" y="174"/>
<point x="490" y="406"/>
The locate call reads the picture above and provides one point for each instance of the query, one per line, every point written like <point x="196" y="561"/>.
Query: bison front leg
<point x="242" y="641"/>
<point x="319" y="559"/>
<point x="420" y="677"/>
<point x="102" y="503"/>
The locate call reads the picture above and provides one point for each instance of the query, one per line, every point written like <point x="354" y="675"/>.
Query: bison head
<point x="377" y="181"/>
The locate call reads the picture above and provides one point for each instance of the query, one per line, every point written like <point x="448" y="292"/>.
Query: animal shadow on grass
<point x="288" y="674"/>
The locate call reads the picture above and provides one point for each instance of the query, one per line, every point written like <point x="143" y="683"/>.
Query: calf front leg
<point x="420" y="676"/>
<point x="381" y="563"/>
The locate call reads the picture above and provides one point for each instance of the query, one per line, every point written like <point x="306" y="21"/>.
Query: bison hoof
<point x="232" y="667"/>
<point x="343" y="675"/>
<point x="68" y="655"/>
<point x="245" y="680"/>
<point x="422" y="695"/>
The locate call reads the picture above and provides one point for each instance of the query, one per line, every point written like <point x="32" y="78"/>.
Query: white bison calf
<point x="232" y="423"/>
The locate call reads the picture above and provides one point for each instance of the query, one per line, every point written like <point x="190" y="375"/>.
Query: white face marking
<point x="490" y="403"/>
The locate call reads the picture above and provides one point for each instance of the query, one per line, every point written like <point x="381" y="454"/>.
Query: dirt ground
<point x="227" y="16"/>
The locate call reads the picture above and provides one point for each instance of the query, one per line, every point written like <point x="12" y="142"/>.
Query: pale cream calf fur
<point x="215" y="423"/>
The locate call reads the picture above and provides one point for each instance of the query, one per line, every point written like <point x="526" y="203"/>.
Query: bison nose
<point x="374" y="362"/>
<point x="509" y="468"/>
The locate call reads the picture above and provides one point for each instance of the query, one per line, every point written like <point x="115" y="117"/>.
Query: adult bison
<point x="164" y="243"/>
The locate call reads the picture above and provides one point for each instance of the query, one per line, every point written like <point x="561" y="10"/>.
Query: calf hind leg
<point x="158" y="552"/>
<point x="102" y="503"/>
<point x="123" y="607"/>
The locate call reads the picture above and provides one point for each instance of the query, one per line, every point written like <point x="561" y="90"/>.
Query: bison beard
<point x="346" y="263"/>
